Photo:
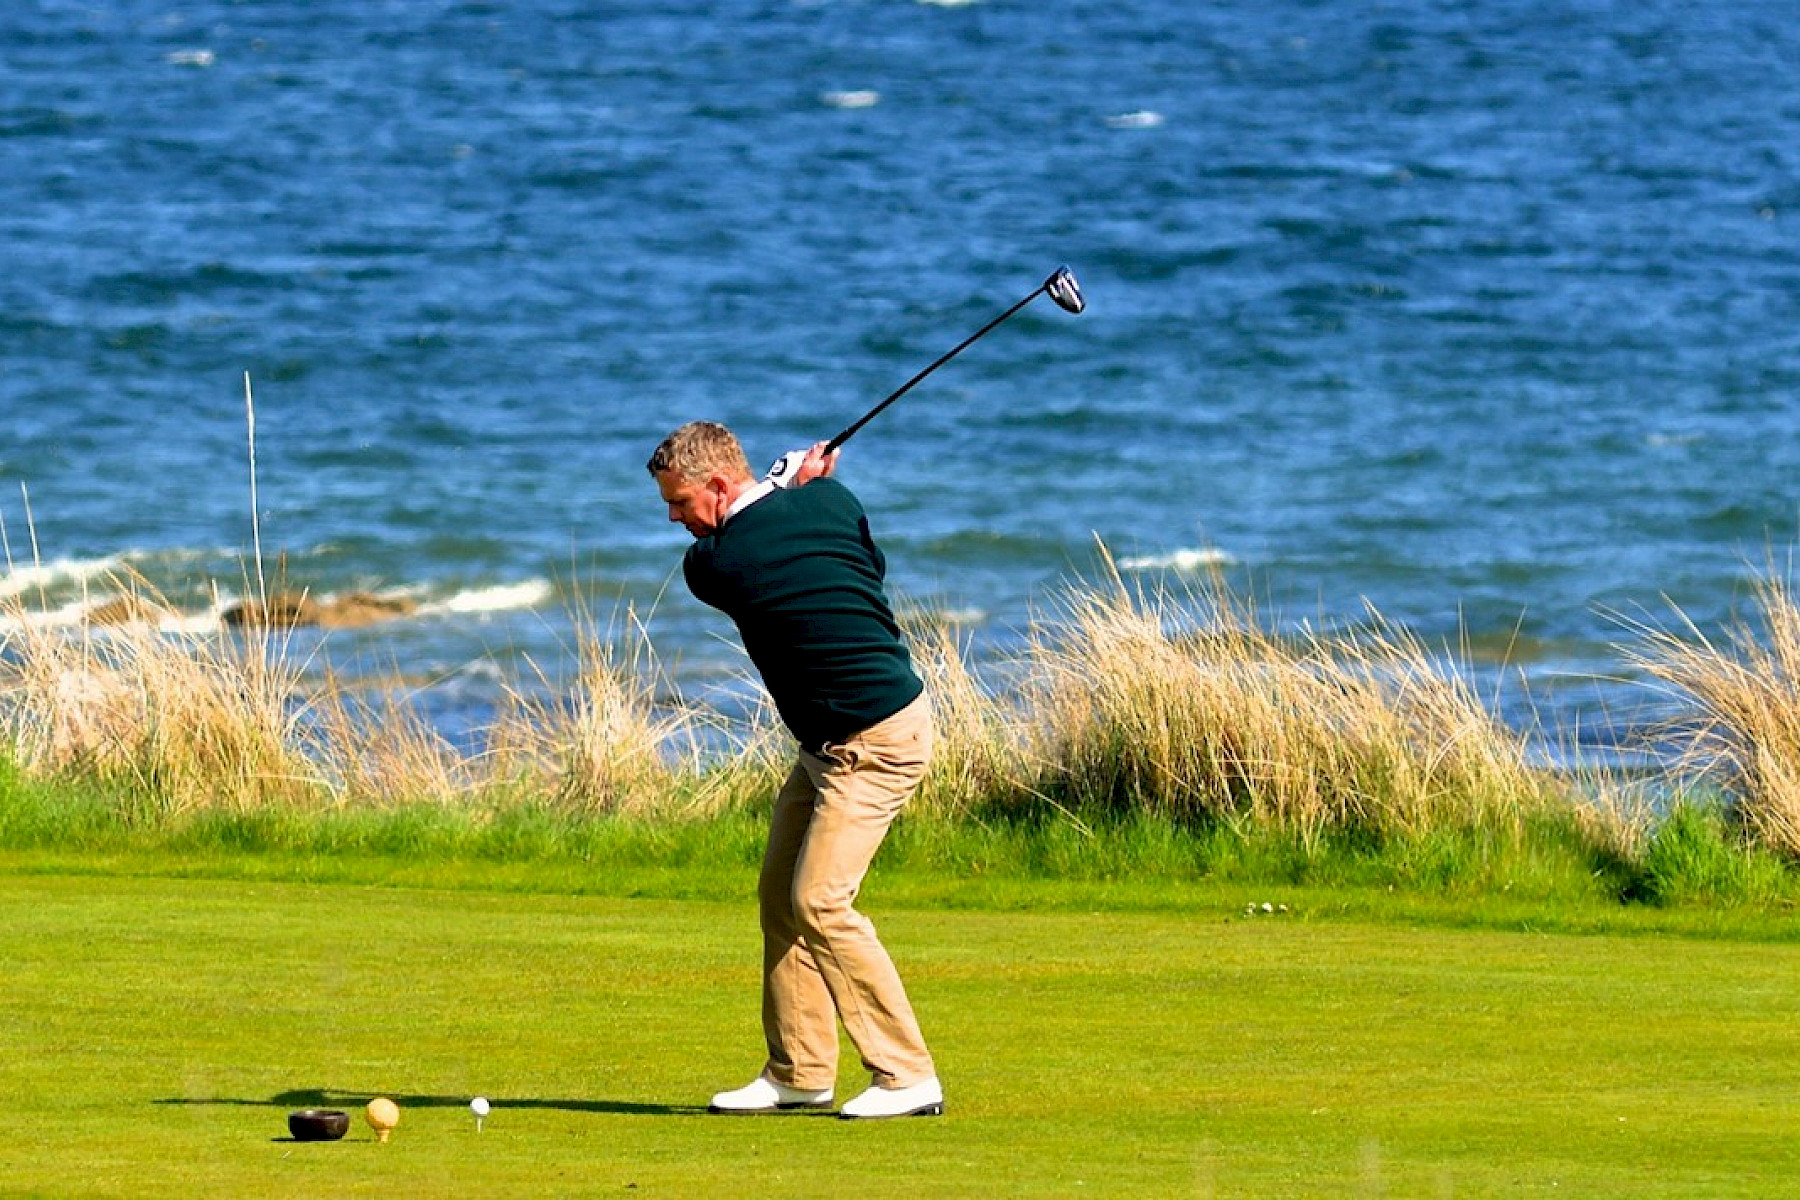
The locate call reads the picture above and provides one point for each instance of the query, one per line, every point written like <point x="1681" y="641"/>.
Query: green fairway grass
<point x="155" y="1032"/>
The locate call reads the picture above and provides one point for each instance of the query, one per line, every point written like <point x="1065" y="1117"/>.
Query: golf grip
<point x="906" y="387"/>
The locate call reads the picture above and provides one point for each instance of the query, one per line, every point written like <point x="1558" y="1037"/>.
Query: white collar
<point x="750" y="496"/>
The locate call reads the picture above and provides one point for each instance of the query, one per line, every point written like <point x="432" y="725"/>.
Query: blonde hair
<point x="698" y="451"/>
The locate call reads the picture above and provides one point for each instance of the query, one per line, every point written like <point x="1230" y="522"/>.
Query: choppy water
<point x="1485" y="314"/>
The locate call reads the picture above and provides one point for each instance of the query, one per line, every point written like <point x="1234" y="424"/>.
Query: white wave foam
<point x="22" y="579"/>
<point x="25" y="578"/>
<point x="853" y="99"/>
<point x="53" y="618"/>
<point x="1142" y="119"/>
<point x="193" y="624"/>
<point x="80" y="612"/>
<point x="1180" y="560"/>
<point x="181" y="554"/>
<point x="499" y="598"/>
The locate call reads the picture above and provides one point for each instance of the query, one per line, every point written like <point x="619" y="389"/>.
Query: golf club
<point x="1060" y="287"/>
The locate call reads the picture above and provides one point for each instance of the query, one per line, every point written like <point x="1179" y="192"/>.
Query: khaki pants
<point x="821" y="958"/>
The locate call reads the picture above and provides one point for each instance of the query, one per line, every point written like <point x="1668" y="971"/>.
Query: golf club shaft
<point x="906" y="387"/>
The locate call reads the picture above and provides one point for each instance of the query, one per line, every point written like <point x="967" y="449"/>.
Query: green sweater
<point x="802" y="578"/>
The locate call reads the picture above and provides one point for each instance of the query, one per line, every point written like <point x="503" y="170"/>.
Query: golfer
<point x="796" y="569"/>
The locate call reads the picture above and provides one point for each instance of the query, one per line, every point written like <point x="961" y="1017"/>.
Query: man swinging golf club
<point x="796" y="568"/>
<point x="791" y="560"/>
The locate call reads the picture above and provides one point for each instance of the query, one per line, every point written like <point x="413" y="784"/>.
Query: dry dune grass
<point x="1187" y="707"/>
<point x="976" y="758"/>
<point x="607" y="745"/>
<point x="231" y="721"/>
<point x="1740" y="726"/>
<point x="1123" y="701"/>
<point x="195" y="724"/>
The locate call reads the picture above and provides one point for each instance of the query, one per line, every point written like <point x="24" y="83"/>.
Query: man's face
<point x="699" y="507"/>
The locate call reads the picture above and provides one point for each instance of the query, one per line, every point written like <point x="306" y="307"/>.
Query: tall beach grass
<point x="1739" y="711"/>
<point x="1216" y="742"/>
<point x="1186" y="706"/>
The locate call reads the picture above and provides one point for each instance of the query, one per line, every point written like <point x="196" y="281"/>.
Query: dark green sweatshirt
<point x="800" y="575"/>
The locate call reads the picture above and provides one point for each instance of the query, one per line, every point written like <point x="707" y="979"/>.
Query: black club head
<point x="1062" y="288"/>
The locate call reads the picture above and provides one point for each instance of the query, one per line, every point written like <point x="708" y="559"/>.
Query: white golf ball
<point x="479" y="1106"/>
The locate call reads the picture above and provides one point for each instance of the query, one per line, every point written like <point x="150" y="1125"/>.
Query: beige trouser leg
<point x="821" y="959"/>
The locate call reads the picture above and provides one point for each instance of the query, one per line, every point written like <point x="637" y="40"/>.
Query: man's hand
<point x="798" y="467"/>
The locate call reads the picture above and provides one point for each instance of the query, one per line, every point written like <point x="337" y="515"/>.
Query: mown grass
<point x="155" y="1032"/>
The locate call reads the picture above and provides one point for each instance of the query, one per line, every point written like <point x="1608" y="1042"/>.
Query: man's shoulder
<point x="828" y="493"/>
<point x="785" y="504"/>
<point x="784" y="513"/>
<point x="698" y="555"/>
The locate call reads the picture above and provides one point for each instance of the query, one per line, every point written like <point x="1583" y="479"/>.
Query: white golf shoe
<point x="762" y="1095"/>
<point x="924" y="1099"/>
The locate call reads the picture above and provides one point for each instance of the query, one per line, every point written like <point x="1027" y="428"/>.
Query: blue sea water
<point x="1485" y="315"/>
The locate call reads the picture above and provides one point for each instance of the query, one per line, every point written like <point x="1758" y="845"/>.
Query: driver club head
<point x="1062" y="288"/>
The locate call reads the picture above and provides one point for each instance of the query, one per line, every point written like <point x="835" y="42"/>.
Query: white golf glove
<point x="784" y="471"/>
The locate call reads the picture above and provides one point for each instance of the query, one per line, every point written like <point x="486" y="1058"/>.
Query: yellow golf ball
<point x="383" y="1115"/>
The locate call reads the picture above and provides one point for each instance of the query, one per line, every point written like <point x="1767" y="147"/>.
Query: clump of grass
<point x="196" y="722"/>
<point x="209" y="724"/>
<point x="1698" y="855"/>
<point x="976" y="752"/>
<point x="757" y="754"/>
<point x="609" y="746"/>
<point x="377" y="750"/>
<point x="1742" y="729"/>
<point x="1185" y="707"/>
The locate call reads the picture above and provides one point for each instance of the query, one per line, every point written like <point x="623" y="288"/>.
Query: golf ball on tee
<point x="479" y="1106"/>
<point x="383" y="1114"/>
